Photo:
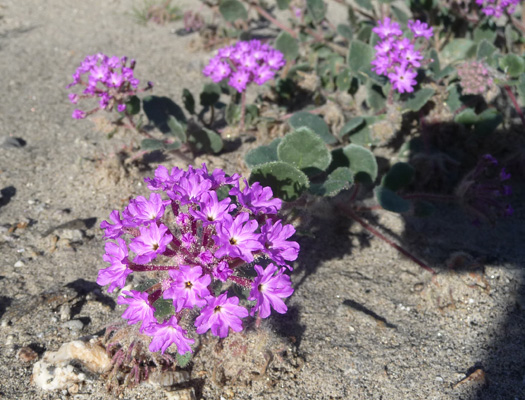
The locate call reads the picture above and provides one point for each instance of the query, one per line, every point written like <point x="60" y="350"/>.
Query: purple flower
<point x="387" y="28"/>
<point x="138" y="309"/>
<point x="211" y="209"/>
<point x="268" y="290"/>
<point x="239" y="80"/>
<point x="152" y="241"/>
<point x="115" y="230"/>
<point x="142" y="211"/>
<point x="420" y="29"/>
<point x="276" y="246"/>
<point x="220" y="314"/>
<point x="115" y="275"/>
<point x="189" y="188"/>
<point x="403" y="79"/>
<point x="411" y="56"/>
<point x="189" y="287"/>
<point x="236" y="238"/>
<point x="504" y="175"/>
<point x="79" y="114"/>
<point x="222" y="271"/>
<point x="166" y="334"/>
<point x="257" y="198"/>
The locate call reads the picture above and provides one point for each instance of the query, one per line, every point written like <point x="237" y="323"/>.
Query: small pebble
<point x="27" y="354"/>
<point x="65" y="312"/>
<point x="19" y="264"/>
<point x="9" y="340"/>
<point x="74" y="325"/>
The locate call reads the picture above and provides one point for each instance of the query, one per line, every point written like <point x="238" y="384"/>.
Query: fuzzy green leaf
<point x="340" y="179"/>
<point x="205" y="140"/>
<point x="151" y="144"/>
<point x="287" y="45"/>
<point x="366" y="4"/>
<point x="286" y="181"/>
<point x="417" y="100"/>
<point x="343" y="80"/>
<point x="485" y="50"/>
<point x="354" y="123"/>
<point x="458" y="49"/>
<point x="390" y="201"/>
<point x="316" y="9"/>
<point x="210" y="94"/>
<point x="163" y="308"/>
<point x="467" y="117"/>
<point x="401" y="174"/>
<point x="363" y="163"/>
<point x="232" y="114"/>
<point x="133" y="105"/>
<point x="345" y="31"/>
<point x="360" y="56"/>
<point x="176" y="129"/>
<point x="189" y="101"/>
<point x="283" y="4"/>
<point x="262" y="154"/>
<point x="232" y="10"/>
<point x="184" y="360"/>
<point x="434" y="65"/>
<point x="512" y="64"/>
<point x="521" y="89"/>
<point x="315" y="123"/>
<point x="304" y="150"/>
<point x="401" y="16"/>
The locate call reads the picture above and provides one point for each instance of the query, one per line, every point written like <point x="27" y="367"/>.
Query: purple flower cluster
<point x="190" y="238"/>
<point x="244" y="63"/>
<point x="497" y="8"/>
<point x="107" y="78"/>
<point x="484" y="189"/>
<point x="396" y="56"/>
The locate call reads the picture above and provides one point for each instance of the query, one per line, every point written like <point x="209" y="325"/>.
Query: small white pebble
<point x="439" y="379"/>
<point x="19" y="264"/>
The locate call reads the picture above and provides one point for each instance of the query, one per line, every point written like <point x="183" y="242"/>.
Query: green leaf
<point x="390" y="201"/>
<point x="232" y="10"/>
<point x="343" y="80"/>
<point x="512" y="64"/>
<point x="183" y="360"/>
<point x="210" y="94"/>
<point x="454" y="98"/>
<point x="485" y="49"/>
<point x="175" y="145"/>
<point x="287" y="45"/>
<point x="340" y="179"/>
<point x="354" y="123"/>
<point x="485" y="32"/>
<point x="286" y="181"/>
<point x="283" y="4"/>
<point x="521" y="89"/>
<point x="360" y="56"/>
<point x="305" y="150"/>
<point x="163" y="309"/>
<point x="467" y="117"/>
<point x="151" y="144"/>
<point x="364" y="33"/>
<point x="232" y="114"/>
<point x="417" y="100"/>
<point x="488" y="121"/>
<point x="449" y="69"/>
<point x="375" y="98"/>
<point x="159" y="109"/>
<point x="262" y="154"/>
<point x="176" y="129"/>
<point x="315" y="123"/>
<point x="401" y="174"/>
<point x="133" y="105"/>
<point x="316" y="9"/>
<point x="458" y="49"/>
<point x="363" y="163"/>
<point x="345" y="31"/>
<point x="401" y="16"/>
<point x="434" y="66"/>
<point x="366" y="4"/>
<point x="204" y="140"/>
<point x="510" y="37"/>
<point x="189" y="101"/>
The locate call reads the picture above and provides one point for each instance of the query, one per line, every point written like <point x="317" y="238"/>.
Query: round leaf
<point x="341" y="178"/>
<point x="417" y="100"/>
<point x="305" y="150"/>
<point x="315" y="123"/>
<point x="401" y="174"/>
<point x="286" y="181"/>
<point x="391" y="201"/>
<point x="287" y="45"/>
<point x="210" y="94"/>
<point x="205" y="140"/>
<point x="262" y="154"/>
<point x="188" y="100"/>
<point x="316" y="9"/>
<point x="232" y="10"/>
<point x="363" y="163"/>
<point x="133" y="105"/>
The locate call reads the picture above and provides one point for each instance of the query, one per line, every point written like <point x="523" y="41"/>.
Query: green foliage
<point x="210" y="94"/>
<point x="133" y="105"/>
<point x="287" y="45"/>
<point x="233" y="114"/>
<point x="512" y="64"/>
<point x="163" y="309"/>
<point x="362" y="163"/>
<point x="283" y="4"/>
<point x="418" y="99"/>
<point x="521" y="88"/>
<point x="304" y="150"/>
<point x="354" y="123"/>
<point x="314" y="123"/>
<point x="391" y="201"/>
<point x="183" y="360"/>
<point x="232" y="10"/>
<point x="189" y="101"/>
<point x="345" y="31"/>
<point x="341" y="178"/>
<point x="262" y="154"/>
<point x="399" y="175"/>
<point x="286" y="181"/>
<point x="204" y="140"/>
<point x="360" y="55"/>
<point x="316" y="9"/>
<point x="485" y="50"/>
<point x="151" y="144"/>
<point x="458" y="49"/>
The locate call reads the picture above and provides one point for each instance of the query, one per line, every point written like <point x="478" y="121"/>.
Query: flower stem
<point x="147" y="268"/>
<point x="274" y="21"/>
<point x="350" y="213"/>
<point x="243" y="110"/>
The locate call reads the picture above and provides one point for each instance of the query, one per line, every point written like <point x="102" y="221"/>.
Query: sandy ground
<point x="364" y="322"/>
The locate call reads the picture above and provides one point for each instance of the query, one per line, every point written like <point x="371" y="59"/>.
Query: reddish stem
<point x="244" y="282"/>
<point x="349" y="212"/>
<point x="515" y="102"/>
<point x="274" y="21"/>
<point x="147" y="268"/>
